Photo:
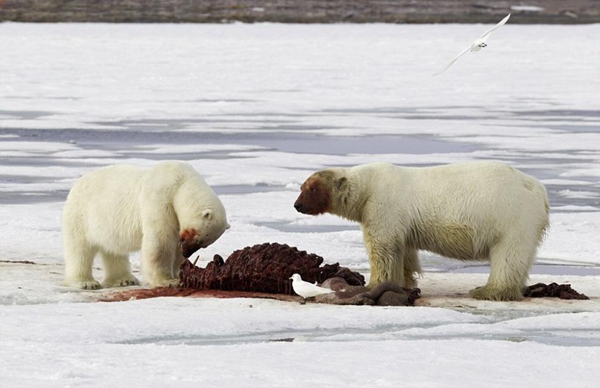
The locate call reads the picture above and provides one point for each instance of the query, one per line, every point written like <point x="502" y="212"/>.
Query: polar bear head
<point x="207" y="227"/>
<point x="201" y="215"/>
<point x="322" y="192"/>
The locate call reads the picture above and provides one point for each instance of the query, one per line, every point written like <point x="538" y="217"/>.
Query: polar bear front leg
<point x="157" y="262"/>
<point x="386" y="259"/>
<point x="179" y="259"/>
<point x="412" y="267"/>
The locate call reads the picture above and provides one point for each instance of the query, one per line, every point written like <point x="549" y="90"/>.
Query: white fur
<point x="120" y="209"/>
<point x="468" y="211"/>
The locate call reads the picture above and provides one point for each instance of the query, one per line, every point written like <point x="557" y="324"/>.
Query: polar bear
<point x="167" y="211"/>
<point x="467" y="211"/>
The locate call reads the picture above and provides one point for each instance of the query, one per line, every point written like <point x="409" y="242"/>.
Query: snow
<point x="257" y="108"/>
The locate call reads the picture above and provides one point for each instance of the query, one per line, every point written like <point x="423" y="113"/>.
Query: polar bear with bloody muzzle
<point x="167" y="211"/>
<point x="467" y="211"/>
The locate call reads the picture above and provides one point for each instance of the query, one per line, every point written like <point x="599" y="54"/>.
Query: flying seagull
<point x="306" y="289"/>
<point x="477" y="44"/>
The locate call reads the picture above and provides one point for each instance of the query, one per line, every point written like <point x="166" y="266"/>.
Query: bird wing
<point x="454" y="60"/>
<point x="316" y="289"/>
<point x="307" y="290"/>
<point x="500" y="24"/>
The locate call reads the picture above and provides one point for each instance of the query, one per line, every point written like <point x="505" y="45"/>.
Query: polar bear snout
<point x="190" y="242"/>
<point x="306" y="207"/>
<point x="300" y="207"/>
<point x="187" y="248"/>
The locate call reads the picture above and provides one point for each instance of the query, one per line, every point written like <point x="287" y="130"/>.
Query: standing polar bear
<point x="167" y="211"/>
<point x="467" y="211"/>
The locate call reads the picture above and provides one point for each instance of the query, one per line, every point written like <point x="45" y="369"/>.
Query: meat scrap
<point x="562" y="291"/>
<point x="384" y="294"/>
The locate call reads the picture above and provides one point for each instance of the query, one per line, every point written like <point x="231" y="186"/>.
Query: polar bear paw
<point x="128" y="280"/>
<point x="87" y="284"/>
<point x="170" y="283"/>
<point x="498" y="294"/>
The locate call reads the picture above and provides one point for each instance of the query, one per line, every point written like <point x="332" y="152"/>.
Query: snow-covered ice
<point x="257" y="108"/>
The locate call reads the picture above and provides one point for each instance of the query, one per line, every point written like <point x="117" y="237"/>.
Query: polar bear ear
<point x="341" y="183"/>
<point x="227" y="226"/>
<point x="207" y="214"/>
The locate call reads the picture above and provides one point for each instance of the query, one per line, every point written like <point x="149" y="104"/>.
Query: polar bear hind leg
<point x="117" y="271"/>
<point x="510" y="261"/>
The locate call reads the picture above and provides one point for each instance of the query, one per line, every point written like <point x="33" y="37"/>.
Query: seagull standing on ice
<point x="477" y="44"/>
<point x="306" y="289"/>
